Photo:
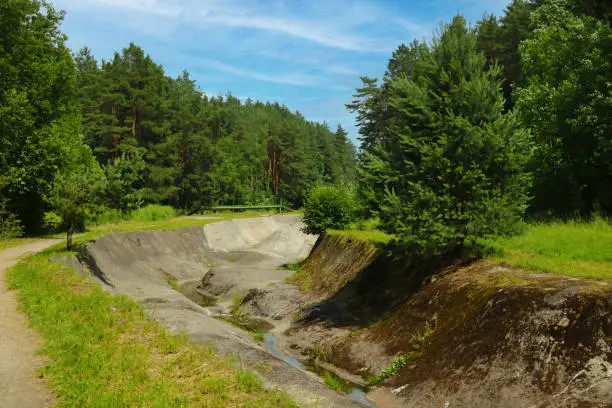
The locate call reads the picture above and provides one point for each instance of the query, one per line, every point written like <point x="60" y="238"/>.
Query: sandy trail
<point x="19" y="385"/>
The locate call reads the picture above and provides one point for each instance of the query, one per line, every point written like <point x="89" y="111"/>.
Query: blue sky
<point x="305" y="54"/>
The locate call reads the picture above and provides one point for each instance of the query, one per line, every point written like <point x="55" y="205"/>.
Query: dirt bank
<point x="477" y="335"/>
<point x="219" y="262"/>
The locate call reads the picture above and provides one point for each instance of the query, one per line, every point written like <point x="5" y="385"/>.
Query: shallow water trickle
<point x="355" y="393"/>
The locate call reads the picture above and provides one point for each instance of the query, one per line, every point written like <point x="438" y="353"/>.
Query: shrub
<point x="154" y="212"/>
<point x="100" y="215"/>
<point x="52" y="222"/>
<point x="328" y="207"/>
<point x="10" y="226"/>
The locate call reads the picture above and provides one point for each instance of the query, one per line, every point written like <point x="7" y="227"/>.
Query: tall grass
<point x="576" y="248"/>
<point x="153" y="212"/>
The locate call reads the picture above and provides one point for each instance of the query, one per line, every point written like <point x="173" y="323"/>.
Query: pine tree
<point x="452" y="170"/>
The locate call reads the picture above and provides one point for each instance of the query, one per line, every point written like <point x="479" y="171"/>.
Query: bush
<point x="10" y="226"/>
<point x="328" y="207"/>
<point x="100" y="215"/>
<point x="153" y="212"/>
<point x="52" y="222"/>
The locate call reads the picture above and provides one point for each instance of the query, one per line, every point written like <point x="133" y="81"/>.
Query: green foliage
<point x="392" y="369"/>
<point x="328" y="207"/>
<point x="236" y="303"/>
<point x="249" y="381"/>
<point x="335" y="382"/>
<point x="125" y="181"/>
<point x="39" y="128"/>
<point x="75" y="189"/>
<point x="52" y="221"/>
<point x="566" y="104"/>
<point x="166" y="143"/>
<point x="499" y="39"/>
<point x="10" y="226"/>
<point x="451" y="168"/>
<point x="100" y="215"/>
<point x="153" y="212"/>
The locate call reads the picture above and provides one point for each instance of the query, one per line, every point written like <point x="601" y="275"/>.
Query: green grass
<point x="580" y="249"/>
<point x="168" y="224"/>
<point x="15" y="242"/>
<point x="153" y="212"/>
<point x="104" y="352"/>
<point x="373" y="236"/>
<point x="337" y="383"/>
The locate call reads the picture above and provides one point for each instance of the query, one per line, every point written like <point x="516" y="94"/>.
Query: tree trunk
<point x="70" y="232"/>
<point x="133" y="120"/>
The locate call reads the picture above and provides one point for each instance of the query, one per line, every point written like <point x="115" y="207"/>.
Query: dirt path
<point x="19" y="385"/>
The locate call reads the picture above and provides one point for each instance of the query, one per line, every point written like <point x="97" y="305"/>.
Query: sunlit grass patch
<point x="373" y="236"/>
<point x="105" y="352"/>
<point x="580" y="249"/>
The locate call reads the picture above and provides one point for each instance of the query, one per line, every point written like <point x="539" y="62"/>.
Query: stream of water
<point x="356" y="394"/>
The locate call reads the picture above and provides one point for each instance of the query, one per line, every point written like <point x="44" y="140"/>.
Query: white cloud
<point x="168" y="8"/>
<point x="291" y="78"/>
<point x="334" y="23"/>
<point x="307" y="30"/>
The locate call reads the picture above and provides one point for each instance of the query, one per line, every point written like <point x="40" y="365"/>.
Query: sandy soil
<point x="20" y="387"/>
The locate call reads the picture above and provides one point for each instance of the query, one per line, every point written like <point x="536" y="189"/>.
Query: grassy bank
<point x="104" y="351"/>
<point x="574" y="248"/>
<point x="580" y="249"/>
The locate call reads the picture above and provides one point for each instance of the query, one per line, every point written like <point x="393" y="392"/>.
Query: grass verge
<point x="580" y="249"/>
<point x="15" y="242"/>
<point x="105" y="352"/>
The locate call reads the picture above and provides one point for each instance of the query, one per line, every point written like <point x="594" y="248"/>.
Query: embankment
<point x="477" y="335"/>
<point x="470" y="335"/>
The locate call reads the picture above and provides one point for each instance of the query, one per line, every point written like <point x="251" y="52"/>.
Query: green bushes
<point x="100" y="215"/>
<point x="328" y="207"/>
<point x="153" y="212"/>
<point x="10" y="227"/>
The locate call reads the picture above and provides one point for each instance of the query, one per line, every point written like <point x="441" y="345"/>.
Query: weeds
<point x="337" y="383"/>
<point x="420" y="340"/>
<point x="389" y="371"/>
<point x="236" y="303"/>
<point x="320" y="351"/>
<point x="355" y="332"/>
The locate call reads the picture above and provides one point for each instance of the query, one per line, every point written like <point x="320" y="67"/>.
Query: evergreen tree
<point x="451" y="170"/>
